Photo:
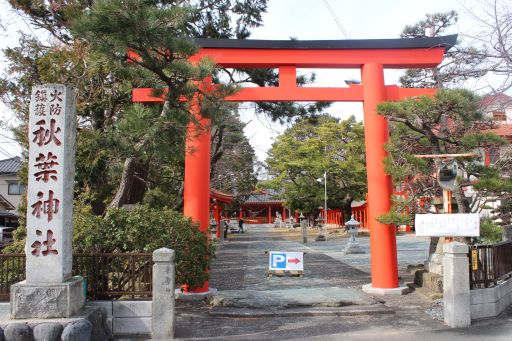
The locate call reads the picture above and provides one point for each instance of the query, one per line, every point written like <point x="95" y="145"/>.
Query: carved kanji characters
<point x="48" y="207"/>
<point x="46" y="164"/>
<point x="56" y="96"/>
<point x="41" y="96"/>
<point x="40" y="109"/>
<point x="44" y="136"/>
<point x="48" y="243"/>
<point x="55" y="109"/>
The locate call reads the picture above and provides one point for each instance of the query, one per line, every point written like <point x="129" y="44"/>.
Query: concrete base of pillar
<point x="47" y="300"/>
<point x="194" y="296"/>
<point x="367" y="288"/>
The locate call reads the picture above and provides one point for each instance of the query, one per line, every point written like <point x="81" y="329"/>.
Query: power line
<point x="3" y="151"/>
<point x="20" y="15"/>
<point x="338" y="22"/>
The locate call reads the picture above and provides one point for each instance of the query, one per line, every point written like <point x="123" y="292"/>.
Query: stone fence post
<point x="163" y="294"/>
<point x="456" y="291"/>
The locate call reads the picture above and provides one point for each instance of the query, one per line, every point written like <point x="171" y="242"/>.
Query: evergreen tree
<point x="460" y="64"/>
<point x="311" y="147"/>
<point x="124" y="149"/>
<point x="447" y="123"/>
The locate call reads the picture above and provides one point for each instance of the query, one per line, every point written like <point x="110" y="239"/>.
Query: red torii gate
<point x="372" y="57"/>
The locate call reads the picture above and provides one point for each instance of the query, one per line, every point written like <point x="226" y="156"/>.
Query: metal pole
<point x="325" y="198"/>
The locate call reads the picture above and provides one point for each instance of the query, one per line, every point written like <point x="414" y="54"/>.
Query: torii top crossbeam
<point x="288" y="55"/>
<point x="371" y="57"/>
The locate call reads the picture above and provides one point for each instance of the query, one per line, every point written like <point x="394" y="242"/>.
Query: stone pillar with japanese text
<point x="49" y="289"/>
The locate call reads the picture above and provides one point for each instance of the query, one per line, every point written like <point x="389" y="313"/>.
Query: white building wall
<point x="5" y="179"/>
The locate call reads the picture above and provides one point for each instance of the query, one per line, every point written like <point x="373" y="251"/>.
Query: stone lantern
<point x="353" y="246"/>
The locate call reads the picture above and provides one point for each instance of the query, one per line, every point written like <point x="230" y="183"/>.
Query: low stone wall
<point x="90" y="325"/>
<point x="127" y="318"/>
<point x="100" y="319"/>
<point x="491" y="302"/>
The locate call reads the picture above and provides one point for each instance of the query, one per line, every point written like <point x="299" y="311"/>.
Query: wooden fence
<point x="488" y="264"/>
<point x="107" y="275"/>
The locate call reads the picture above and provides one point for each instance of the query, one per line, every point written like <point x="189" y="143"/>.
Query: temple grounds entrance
<point x="371" y="57"/>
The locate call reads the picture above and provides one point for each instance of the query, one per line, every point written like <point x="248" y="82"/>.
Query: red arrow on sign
<point x="294" y="260"/>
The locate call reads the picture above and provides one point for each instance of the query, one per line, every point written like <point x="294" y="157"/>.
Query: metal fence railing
<point x="12" y="270"/>
<point x="107" y="275"/>
<point x="115" y="275"/>
<point x="488" y="264"/>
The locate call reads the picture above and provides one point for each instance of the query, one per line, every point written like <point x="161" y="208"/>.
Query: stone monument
<point x="49" y="289"/>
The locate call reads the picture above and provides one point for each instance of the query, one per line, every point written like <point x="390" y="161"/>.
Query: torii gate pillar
<point x="382" y="237"/>
<point x="196" y="192"/>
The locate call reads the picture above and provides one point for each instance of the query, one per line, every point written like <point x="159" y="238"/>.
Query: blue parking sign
<point x="277" y="260"/>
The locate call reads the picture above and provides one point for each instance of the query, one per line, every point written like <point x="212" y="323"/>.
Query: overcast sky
<point x="306" y="20"/>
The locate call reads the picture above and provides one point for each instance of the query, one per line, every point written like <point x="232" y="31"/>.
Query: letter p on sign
<point x="277" y="260"/>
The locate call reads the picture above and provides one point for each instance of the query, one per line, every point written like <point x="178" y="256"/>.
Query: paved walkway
<point x="241" y="266"/>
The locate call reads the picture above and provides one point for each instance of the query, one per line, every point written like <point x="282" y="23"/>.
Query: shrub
<point x="145" y="229"/>
<point x="490" y="233"/>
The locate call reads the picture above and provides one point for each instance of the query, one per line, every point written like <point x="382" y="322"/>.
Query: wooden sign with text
<point x="447" y="225"/>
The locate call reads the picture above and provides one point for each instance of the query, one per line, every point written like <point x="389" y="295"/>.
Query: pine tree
<point x="460" y="64"/>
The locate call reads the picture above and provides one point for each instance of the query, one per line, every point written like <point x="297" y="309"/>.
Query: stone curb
<point x="312" y="311"/>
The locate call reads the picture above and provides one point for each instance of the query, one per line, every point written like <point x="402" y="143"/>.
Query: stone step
<point x="429" y="280"/>
<point x="372" y="309"/>
<point x="291" y="298"/>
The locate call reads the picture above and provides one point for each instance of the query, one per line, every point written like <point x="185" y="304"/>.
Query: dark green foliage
<point x="490" y="233"/>
<point x="449" y="122"/>
<point x="232" y="157"/>
<point x="145" y="229"/>
<point x="91" y="57"/>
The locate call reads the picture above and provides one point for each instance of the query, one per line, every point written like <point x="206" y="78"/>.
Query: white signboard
<point x="447" y="225"/>
<point x="281" y="260"/>
<point x="51" y="167"/>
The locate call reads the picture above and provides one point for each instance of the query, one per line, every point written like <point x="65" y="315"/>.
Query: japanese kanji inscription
<point x="52" y="130"/>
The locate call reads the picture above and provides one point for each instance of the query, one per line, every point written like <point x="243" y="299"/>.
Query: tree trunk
<point x="347" y="210"/>
<point x="123" y="191"/>
<point x="130" y="164"/>
<point x="433" y="245"/>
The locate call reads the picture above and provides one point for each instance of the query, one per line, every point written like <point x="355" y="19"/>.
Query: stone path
<point x="241" y="265"/>
<point x="239" y="273"/>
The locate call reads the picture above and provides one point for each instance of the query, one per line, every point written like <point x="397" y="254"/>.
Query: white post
<point x="456" y="291"/>
<point x="163" y="294"/>
<point x="325" y="198"/>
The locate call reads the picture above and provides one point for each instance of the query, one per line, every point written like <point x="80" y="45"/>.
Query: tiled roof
<point x="11" y="165"/>
<point x="221" y="196"/>
<point x="7" y="205"/>
<point x="263" y="198"/>
<point x="495" y="100"/>
<point x="504" y="130"/>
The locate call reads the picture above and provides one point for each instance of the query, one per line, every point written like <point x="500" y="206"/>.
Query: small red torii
<point x="371" y="57"/>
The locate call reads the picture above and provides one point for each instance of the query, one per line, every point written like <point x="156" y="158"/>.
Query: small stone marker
<point x="49" y="290"/>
